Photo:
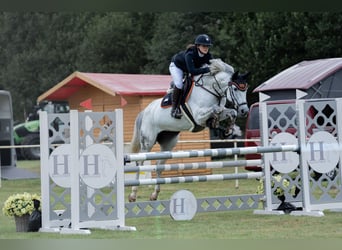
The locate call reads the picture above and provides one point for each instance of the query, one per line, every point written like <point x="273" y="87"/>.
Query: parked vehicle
<point x="7" y="155"/>
<point x="27" y="133"/>
<point x="320" y="78"/>
<point x="252" y="133"/>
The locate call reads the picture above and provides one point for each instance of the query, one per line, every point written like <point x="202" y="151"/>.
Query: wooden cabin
<point x="129" y="92"/>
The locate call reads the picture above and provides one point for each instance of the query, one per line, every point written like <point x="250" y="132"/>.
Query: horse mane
<point x="221" y="66"/>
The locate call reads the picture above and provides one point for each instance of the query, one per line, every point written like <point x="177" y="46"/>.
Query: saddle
<point x="187" y="86"/>
<point x="166" y="101"/>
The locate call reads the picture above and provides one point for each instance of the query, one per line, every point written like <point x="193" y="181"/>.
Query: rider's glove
<point x="213" y="70"/>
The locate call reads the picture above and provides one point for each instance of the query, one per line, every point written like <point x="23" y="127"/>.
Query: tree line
<point x="40" y="49"/>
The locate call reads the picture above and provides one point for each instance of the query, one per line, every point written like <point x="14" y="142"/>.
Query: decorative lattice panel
<point x="209" y="204"/>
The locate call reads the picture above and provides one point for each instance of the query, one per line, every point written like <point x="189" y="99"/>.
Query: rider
<point x="189" y="61"/>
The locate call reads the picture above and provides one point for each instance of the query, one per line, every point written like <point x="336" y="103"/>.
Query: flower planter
<point x="22" y="222"/>
<point x="21" y="206"/>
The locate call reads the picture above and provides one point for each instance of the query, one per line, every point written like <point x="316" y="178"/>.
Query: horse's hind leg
<point x="146" y="143"/>
<point x="154" y="195"/>
<point x="132" y="197"/>
<point x="167" y="141"/>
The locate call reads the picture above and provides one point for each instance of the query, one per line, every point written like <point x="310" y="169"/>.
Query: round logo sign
<point x="322" y="152"/>
<point x="59" y="165"/>
<point x="183" y="205"/>
<point x="97" y="166"/>
<point x="284" y="162"/>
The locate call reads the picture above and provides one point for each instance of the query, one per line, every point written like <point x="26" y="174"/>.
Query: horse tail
<point x="135" y="142"/>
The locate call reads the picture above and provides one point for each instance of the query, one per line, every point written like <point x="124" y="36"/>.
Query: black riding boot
<point x="176" y="99"/>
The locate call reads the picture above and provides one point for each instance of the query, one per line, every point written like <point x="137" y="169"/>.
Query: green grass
<point x="211" y="225"/>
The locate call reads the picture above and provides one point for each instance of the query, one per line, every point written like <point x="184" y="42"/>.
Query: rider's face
<point x="203" y="48"/>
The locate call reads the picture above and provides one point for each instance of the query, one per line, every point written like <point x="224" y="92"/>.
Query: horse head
<point x="237" y="93"/>
<point x="234" y="84"/>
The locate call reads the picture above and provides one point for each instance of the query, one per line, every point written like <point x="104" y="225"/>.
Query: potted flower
<point x="20" y="206"/>
<point x="279" y="192"/>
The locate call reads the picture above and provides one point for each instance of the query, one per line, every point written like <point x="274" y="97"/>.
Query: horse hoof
<point x="153" y="197"/>
<point x="131" y="198"/>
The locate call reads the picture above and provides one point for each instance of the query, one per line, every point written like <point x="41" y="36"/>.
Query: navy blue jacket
<point x="189" y="61"/>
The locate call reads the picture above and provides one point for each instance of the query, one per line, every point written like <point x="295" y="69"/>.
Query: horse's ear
<point x="235" y="75"/>
<point x="246" y="75"/>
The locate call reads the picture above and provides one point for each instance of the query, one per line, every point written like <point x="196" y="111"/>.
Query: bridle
<point x="234" y="103"/>
<point x="219" y="92"/>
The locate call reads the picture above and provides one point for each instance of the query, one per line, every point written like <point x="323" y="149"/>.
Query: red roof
<point x="302" y="75"/>
<point x="113" y="84"/>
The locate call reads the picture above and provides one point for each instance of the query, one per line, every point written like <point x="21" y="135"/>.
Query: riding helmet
<point x="203" y="39"/>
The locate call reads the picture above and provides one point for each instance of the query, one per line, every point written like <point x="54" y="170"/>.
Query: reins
<point x="217" y="94"/>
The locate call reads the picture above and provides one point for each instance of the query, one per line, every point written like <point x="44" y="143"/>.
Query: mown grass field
<point x="218" y="225"/>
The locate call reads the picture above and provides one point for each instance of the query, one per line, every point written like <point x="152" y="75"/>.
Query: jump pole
<point x="209" y="152"/>
<point x="189" y="166"/>
<point x="187" y="179"/>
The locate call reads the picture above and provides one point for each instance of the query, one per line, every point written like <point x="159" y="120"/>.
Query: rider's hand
<point x="213" y="70"/>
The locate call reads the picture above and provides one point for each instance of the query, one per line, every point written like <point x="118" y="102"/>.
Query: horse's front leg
<point x="228" y="113"/>
<point x="204" y="114"/>
<point x="211" y="116"/>
<point x="231" y="129"/>
<point x="224" y="114"/>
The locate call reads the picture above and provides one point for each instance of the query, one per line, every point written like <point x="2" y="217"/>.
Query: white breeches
<point x="177" y="75"/>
